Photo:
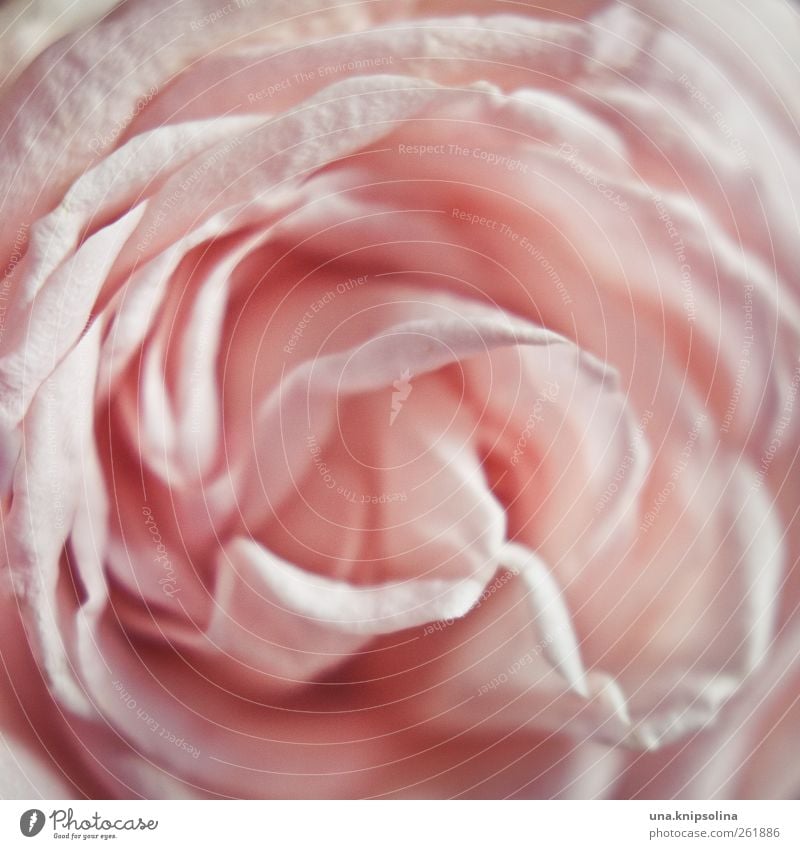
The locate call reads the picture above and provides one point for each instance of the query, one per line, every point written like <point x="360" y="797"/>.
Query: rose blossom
<point x="402" y="403"/>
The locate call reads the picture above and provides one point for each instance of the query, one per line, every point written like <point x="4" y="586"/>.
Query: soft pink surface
<point x="344" y="584"/>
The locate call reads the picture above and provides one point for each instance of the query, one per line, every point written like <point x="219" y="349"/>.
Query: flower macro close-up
<point x="400" y="399"/>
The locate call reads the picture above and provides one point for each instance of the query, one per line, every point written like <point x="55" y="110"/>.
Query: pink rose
<point x="401" y="402"/>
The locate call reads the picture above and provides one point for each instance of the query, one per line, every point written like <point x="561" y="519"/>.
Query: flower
<point x="401" y="401"/>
